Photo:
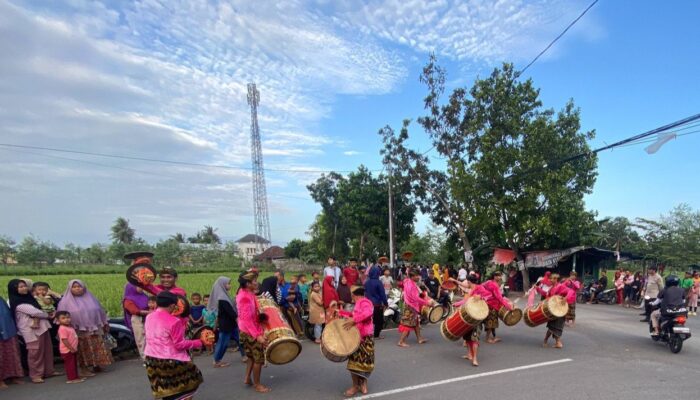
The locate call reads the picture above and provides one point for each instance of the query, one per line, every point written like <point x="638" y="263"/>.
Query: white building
<point x="247" y="247"/>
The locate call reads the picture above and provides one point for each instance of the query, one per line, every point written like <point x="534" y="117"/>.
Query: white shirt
<point x="334" y="272"/>
<point x="462" y="274"/>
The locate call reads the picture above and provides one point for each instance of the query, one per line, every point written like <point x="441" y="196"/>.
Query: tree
<point x="355" y="213"/>
<point x="294" y="247"/>
<point x="209" y="235"/>
<point x="122" y="232"/>
<point x="34" y="251"/>
<point x="6" y="249"/>
<point x="178" y="238"/>
<point x="506" y="181"/>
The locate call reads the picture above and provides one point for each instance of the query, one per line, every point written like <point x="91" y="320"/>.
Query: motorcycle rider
<point x="670" y="297"/>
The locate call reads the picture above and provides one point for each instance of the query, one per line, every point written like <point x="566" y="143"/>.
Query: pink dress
<point x="248" y="312"/>
<point x="362" y="315"/>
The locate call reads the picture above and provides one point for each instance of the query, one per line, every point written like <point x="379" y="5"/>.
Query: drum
<point x="432" y="314"/>
<point x="510" y="317"/>
<point x="205" y="334"/>
<point x="282" y="345"/>
<point x="338" y="343"/>
<point x="141" y="274"/>
<point x="550" y="309"/>
<point x="469" y="315"/>
<point x="182" y="307"/>
<point x="449" y="285"/>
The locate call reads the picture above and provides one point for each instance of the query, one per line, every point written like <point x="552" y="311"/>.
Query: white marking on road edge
<point x="462" y="378"/>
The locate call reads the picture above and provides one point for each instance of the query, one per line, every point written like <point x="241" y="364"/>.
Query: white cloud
<point x="467" y="31"/>
<point x="351" y="153"/>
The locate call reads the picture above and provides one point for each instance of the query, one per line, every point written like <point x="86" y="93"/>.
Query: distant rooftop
<point x="273" y="253"/>
<point x="250" y="238"/>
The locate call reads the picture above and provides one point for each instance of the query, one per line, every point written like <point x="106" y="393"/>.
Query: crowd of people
<point x="75" y="322"/>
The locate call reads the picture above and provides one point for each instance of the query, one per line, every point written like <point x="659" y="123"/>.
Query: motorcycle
<point x="122" y="335"/>
<point x="585" y="294"/>
<point x="607" y="296"/>
<point x="672" y="329"/>
<point x="392" y="314"/>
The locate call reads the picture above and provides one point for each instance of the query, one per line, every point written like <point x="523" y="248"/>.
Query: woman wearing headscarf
<point x="345" y="294"/>
<point x="135" y="305"/>
<point x="34" y="326"/>
<point x="220" y="301"/>
<point x="330" y="299"/>
<point x="10" y="362"/>
<point x="90" y="323"/>
<point x="436" y="271"/>
<point x="374" y="291"/>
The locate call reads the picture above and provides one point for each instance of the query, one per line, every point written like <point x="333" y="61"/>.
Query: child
<point x="196" y="308"/>
<point x="303" y="288"/>
<point x="196" y="318"/>
<point x="68" y="347"/>
<point x="152" y="305"/>
<point x="43" y="297"/>
<point x="209" y="319"/>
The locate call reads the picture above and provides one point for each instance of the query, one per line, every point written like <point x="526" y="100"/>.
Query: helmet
<point x="672" y="280"/>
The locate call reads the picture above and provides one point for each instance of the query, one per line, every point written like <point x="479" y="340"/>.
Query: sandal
<point x="37" y="380"/>
<point x="221" y="365"/>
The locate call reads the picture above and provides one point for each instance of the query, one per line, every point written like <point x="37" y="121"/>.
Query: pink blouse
<point x="495" y="299"/>
<point x="559" y="289"/>
<point x="411" y="296"/>
<point x="24" y="319"/>
<point x="155" y="289"/>
<point x="476" y="290"/>
<point x="248" y="311"/>
<point x="165" y="337"/>
<point x="362" y="315"/>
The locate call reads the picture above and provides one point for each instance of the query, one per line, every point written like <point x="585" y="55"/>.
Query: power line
<point x="155" y="160"/>
<point x="558" y="37"/>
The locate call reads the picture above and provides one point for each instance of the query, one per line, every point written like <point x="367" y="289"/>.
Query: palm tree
<point x="178" y="237"/>
<point x="208" y="235"/>
<point x="122" y="232"/>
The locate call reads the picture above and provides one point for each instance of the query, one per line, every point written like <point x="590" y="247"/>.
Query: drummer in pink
<point x="472" y="288"/>
<point x="555" y="328"/>
<point x="361" y="362"/>
<point x="495" y="302"/>
<point x="252" y="333"/>
<point x="413" y="302"/>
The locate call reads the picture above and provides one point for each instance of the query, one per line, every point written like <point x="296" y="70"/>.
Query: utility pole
<point x="391" y="218"/>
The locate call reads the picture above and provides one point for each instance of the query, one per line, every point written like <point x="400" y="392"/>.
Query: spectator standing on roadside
<point x="652" y="288"/>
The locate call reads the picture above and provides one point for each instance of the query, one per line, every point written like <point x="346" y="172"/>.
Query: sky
<point x="167" y="80"/>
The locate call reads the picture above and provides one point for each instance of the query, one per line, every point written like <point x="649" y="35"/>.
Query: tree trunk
<point x="335" y="232"/>
<point x="362" y="246"/>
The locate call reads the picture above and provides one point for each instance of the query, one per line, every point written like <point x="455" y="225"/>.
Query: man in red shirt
<point x="351" y="272"/>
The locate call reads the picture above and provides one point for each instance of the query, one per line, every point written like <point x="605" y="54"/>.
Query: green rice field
<point x="109" y="288"/>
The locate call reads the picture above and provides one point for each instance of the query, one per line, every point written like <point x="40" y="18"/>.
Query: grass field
<point x="109" y="288"/>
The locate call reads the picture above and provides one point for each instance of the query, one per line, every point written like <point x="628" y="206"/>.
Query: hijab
<point x="17" y="299"/>
<point x="8" y="329"/>
<point x="344" y="292"/>
<point x="86" y="313"/>
<point x="218" y="293"/>
<point x="328" y="292"/>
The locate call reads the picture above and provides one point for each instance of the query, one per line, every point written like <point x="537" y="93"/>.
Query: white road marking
<point x="462" y="378"/>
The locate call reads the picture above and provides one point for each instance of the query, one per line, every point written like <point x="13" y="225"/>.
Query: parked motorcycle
<point x="122" y="335"/>
<point x="672" y="329"/>
<point x="392" y="313"/>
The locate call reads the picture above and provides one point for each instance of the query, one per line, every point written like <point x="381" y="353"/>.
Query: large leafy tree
<point x="6" y="249"/>
<point x="514" y="172"/>
<point x="355" y="216"/>
<point x="122" y="233"/>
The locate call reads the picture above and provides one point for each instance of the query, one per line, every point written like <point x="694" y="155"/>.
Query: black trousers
<point x="647" y="307"/>
<point x="378" y="320"/>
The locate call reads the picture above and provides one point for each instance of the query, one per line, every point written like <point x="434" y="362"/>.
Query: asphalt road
<point x="607" y="355"/>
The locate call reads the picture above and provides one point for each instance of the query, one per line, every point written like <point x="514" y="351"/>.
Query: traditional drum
<point x="338" y="343"/>
<point x="205" y="334"/>
<point x="449" y="285"/>
<point x="469" y="315"/>
<point x="510" y="317"/>
<point x="432" y="314"/>
<point x="141" y="274"/>
<point x="182" y="307"/>
<point x="550" y="309"/>
<point x="282" y="345"/>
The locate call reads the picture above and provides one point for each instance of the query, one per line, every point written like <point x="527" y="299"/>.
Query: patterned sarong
<point x="252" y="348"/>
<point x="172" y="379"/>
<point x="556" y="327"/>
<point x="571" y="314"/>
<point x="491" y="322"/>
<point x="361" y="362"/>
<point x="409" y="319"/>
<point x="473" y="336"/>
